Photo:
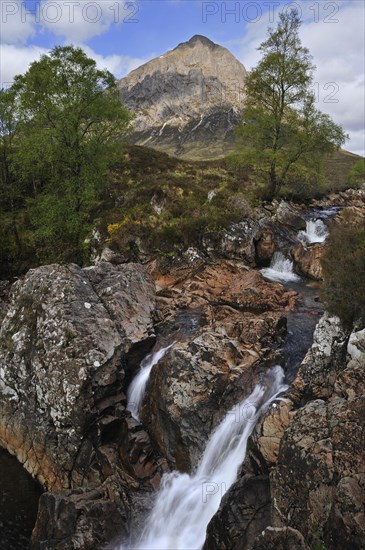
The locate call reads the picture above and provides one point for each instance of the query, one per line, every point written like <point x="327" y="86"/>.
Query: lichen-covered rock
<point x="317" y="373"/>
<point x="289" y="214"/>
<point x="235" y="243"/>
<point x="323" y="445"/>
<point x="61" y="347"/>
<point x="318" y="482"/>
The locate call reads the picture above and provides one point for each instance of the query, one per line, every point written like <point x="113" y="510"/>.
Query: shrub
<point x="356" y="176"/>
<point x="344" y="274"/>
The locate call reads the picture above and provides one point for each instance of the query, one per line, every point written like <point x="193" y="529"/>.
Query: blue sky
<point x="120" y="35"/>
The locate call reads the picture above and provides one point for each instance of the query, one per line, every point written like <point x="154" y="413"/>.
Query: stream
<point x="181" y="511"/>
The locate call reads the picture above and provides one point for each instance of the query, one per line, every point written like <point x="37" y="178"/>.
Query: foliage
<point x="63" y="121"/>
<point x="356" y="175"/>
<point x="165" y="204"/>
<point x="284" y="136"/>
<point x="344" y="273"/>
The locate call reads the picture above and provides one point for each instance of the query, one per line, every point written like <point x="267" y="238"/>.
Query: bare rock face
<point x="61" y="347"/>
<point x="318" y="481"/>
<point x="202" y="376"/>
<point x="187" y="101"/>
<point x="65" y="341"/>
<point x="323" y="363"/>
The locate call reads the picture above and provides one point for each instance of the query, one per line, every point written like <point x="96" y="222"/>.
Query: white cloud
<point x="17" y="24"/>
<point x="335" y="38"/>
<point x="81" y="20"/>
<point x="118" y="65"/>
<point x="15" y="60"/>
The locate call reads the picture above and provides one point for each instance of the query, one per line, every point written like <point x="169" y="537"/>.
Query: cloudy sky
<point x="121" y="35"/>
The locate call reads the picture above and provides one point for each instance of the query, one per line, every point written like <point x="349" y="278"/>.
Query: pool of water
<point x="19" y="495"/>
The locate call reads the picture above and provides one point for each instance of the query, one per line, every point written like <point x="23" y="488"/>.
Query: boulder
<point x="307" y="260"/>
<point x="290" y="215"/>
<point x="319" y="473"/>
<point x="61" y="346"/>
<point x="323" y="362"/>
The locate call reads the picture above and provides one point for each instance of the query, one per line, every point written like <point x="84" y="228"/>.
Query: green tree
<point x="344" y="274"/>
<point x="284" y="136"/>
<point x="70" y="123"/>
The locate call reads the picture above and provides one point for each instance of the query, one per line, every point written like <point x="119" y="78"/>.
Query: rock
<point x="323" y="446"/>
<point x="317" y="373"/>
<point x="83" y="520"/>
<point x="61" y="346"/>
<point x="288" y="214"/>
<point x="270" y="430"/>
<point x="236" y="243"/>
<point x="185" y="391"/>
<point x="244" y="512"/>
<point x="265" y="248"/>
<point x="280" y="538"/>
<point x="307" y="260"/>
<point x="64" y="338"/>
<point x="187" y="101"/>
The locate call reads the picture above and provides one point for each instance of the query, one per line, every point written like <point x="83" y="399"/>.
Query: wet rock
<point x="265" y="248"/>
<point x="185" y="392"/>
<point x="280" y="538"/>
<point x="206" y="372"/>
<point x="270" y="430"/>
<point x="83" y="520"/>
<point x="244" y="512"/>
<point x="307" y="260"/>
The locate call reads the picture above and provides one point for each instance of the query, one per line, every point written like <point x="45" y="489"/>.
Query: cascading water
<point x="138" y="386"/>
<point x="281" y="269"/>
<point x="316" y="232"/>
<point x="186" y="503"/>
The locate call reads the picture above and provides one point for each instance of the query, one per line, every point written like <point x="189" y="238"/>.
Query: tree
<point x="284" y="136"/>
<point x="70" y="121"/>
<point x="344" y="273"/>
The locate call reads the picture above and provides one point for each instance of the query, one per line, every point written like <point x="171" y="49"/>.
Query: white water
<point x="316" y="232"/>
<point x="138" y="386"/>
<point x="186" y="503"/>
<point x="281" y="269"/>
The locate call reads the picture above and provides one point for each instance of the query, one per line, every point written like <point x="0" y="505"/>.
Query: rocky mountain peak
<point x="199" y="40"/>
<point x="188" y="100"/>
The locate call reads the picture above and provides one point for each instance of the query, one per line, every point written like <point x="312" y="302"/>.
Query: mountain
<point x="188" y="101"/>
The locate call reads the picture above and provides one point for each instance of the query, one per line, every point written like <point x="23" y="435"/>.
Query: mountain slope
<point x="187" y="101"/>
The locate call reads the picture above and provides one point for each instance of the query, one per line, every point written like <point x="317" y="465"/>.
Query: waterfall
<point x="281" y="269"/>
<point x="316" y="232"/>
<point x="138" y="386"/>
<point x="186" y="503"/>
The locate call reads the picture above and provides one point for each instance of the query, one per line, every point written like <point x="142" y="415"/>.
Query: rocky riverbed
<point x="72" y="340"/>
